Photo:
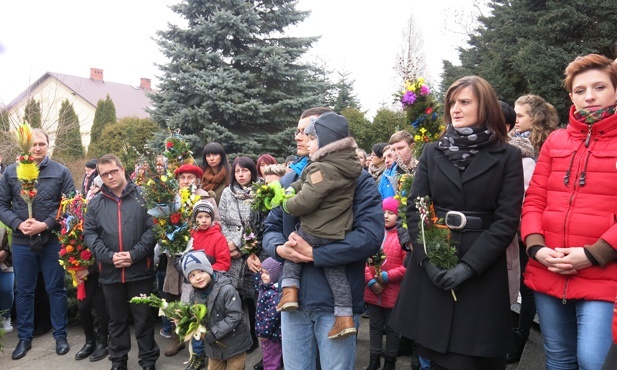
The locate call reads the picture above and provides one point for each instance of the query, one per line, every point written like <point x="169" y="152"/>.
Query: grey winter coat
<point x="225" y="318"/>
<point x="235" y="214"/>
<point x="114" y="225"/>
<point x="54" y="181"/>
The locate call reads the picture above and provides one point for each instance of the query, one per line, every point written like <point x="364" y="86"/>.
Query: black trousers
<point x="94" y="299"/>
<point x="117" y="297"/>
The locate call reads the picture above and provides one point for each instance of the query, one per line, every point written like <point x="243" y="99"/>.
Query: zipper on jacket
<point x="565" y="288"/>
<point x="120" y="233"/>
<point x="588" y="137"/>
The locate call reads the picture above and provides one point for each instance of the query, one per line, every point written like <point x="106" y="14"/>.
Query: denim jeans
<point x="198" y="346"/>
<point x="7" y="282"/>
<point x="27" y="265"/>
<point x="305" y="331"/>
<point x="577" y="334"/>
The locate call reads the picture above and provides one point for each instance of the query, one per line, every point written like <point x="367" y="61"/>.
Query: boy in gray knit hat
<point x="228" y="336"/>
<point x="323" y="201"/>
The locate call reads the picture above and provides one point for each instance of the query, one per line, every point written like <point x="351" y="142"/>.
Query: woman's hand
<point x="81" y="275"/>
<point x="234" y="252"/>
<point x="573" y="257"/>
<point x="253" y="263"/>
<point x="3" y="255"/>
<point x="555" y="261"/>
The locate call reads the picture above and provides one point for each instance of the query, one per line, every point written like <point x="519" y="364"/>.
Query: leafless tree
<point x="411" y="61"/>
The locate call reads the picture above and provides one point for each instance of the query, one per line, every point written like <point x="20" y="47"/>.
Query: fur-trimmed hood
<point x="337" y="146"/>
<point x="524" y="145"/>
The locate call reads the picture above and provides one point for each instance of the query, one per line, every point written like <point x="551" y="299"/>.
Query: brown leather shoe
<point x="175" y="346"/>
<point x="343" y="326"/>
<point x="289" y="300"/>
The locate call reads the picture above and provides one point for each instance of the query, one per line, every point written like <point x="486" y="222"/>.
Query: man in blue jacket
<point x="35" y="246"/>
<point x="305" y="331"/>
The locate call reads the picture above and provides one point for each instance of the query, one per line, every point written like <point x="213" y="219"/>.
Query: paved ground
<point x="43" y="356"/>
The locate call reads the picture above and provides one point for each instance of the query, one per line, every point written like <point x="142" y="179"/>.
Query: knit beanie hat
<point x="202" y="206"/>
<point x="328" y="128"/>
<point x="91" y="164"/>
<point x="390" y="204"/>
<point x="189" y="168"/>
<point x="98" y="181"/>
<point x="195" y="260"/>
<point x="273" y="267"/>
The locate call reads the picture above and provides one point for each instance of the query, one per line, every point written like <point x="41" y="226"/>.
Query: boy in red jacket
<point x="207" y="236"/>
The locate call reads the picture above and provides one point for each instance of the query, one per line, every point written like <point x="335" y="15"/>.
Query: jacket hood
<point x="524" y="145"/>
<point x="342" y="155"/>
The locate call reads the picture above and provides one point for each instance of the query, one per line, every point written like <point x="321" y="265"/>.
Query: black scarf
<point x="460" y="145"/>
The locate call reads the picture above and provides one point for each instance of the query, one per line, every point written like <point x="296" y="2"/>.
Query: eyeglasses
<point x="298" y="132"/>
<point x="111" y="173"/>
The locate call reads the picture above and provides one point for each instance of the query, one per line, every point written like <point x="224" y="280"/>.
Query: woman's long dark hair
<point x="216" y="148"/>
<point x="244" y="162"/>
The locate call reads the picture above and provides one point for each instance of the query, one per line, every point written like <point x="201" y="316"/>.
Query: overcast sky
<point x="70" y="36"/>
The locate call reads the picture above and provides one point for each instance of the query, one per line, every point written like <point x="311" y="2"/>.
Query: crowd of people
<point x="527" y="207"/>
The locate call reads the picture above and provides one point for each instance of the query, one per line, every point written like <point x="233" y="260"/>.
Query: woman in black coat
<point x="470" y="170"/>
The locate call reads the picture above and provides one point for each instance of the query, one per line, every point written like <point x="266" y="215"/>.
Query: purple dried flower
<point x="409" y="98"/>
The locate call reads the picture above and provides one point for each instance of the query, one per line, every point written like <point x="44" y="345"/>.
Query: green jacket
<point x="325" y="191"/>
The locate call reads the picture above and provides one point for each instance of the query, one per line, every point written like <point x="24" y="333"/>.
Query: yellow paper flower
<point x="24" y="137"/>
<point x="27" y="172"/>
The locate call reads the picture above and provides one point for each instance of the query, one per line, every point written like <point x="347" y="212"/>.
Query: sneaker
<point x="6" y="325"/>
<point x="195" y="363"/>
<point x="165" y="334"/>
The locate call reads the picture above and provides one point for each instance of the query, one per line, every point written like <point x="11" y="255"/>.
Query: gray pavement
<point x="43" y="355"/>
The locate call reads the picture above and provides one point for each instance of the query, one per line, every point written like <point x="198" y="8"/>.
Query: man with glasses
<point x="35" y="246"/>
<point x="120" y="232"/>
<point x="305" y="331"/>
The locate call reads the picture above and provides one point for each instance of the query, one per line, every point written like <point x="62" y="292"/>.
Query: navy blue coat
<point x="363" y="241"/>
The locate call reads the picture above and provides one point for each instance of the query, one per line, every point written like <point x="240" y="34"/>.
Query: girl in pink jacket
<point x="382" y="287"/>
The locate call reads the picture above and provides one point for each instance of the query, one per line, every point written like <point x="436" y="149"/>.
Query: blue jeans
<point x="27" y="265"/>
<point x="577" y="334"/>
<point x="7" y="283"/>
<point x="198" y="346"/>
<point x="305" y="331"/>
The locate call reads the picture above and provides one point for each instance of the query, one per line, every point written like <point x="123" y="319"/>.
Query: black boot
<point x="86" y="350"/>
<point x="375" y="362"/>
<point x="388" y="363"/>
<point x="519" y="346"/>
<point x="100" y="352"/>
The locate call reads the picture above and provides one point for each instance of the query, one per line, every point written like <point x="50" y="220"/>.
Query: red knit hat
<point x="390" y="204"/>
<point x="189" y="168"/>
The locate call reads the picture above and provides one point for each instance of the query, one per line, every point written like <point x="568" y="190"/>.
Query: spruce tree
<point x="233" y="76"/>
<point x="524" y="46"/>
<point x="104" y="116"/>
<point x="344" y="93"/>
<point x="68" y="146"/>
<point x="32" y="113"/>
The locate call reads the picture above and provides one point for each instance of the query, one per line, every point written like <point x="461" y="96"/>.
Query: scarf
<point x="524" y="134"/>
<point x="376" y="171"/>
<point x="211" y="180"/>
<point x="298" y="166"/>
<point x="460" y="145"/>
<point x="589" y="117"/>
<point x="242" y="193"/>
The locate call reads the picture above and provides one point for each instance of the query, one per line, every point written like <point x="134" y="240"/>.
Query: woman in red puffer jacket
<point x="381" y="292"/>
<point x="569" y="221"/>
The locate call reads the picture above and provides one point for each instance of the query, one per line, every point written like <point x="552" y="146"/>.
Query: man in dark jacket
<point x="309" y="325"/>
<point x="35" y="247"/>
<point x="120" y="232"/>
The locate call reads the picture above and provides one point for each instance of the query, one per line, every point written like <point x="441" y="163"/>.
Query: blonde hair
<point x="544" y="118"/>
<point x="275" y="169"/>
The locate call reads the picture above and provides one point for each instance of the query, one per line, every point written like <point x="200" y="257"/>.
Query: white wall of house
<point x="50" y="93"/>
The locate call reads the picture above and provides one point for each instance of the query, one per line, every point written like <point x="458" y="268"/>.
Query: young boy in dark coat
<point x="228" y="336"/>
